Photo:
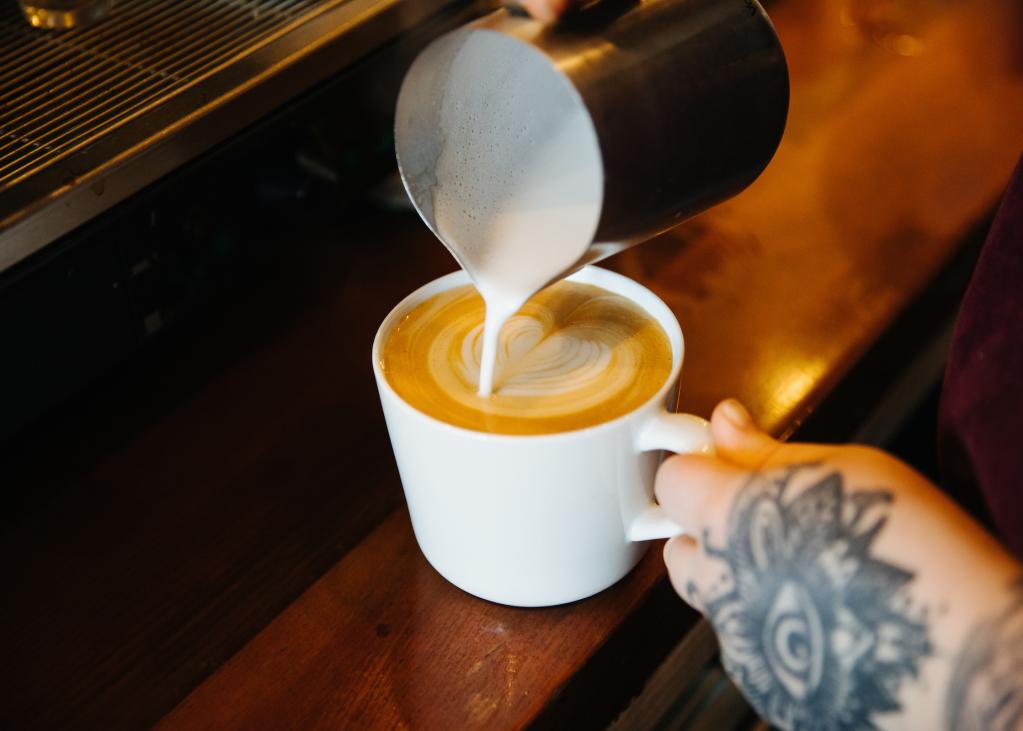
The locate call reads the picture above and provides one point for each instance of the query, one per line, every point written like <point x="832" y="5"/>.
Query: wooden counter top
<point x="224" y="543"/>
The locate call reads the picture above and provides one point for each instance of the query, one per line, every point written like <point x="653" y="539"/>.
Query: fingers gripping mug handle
<point x="679" y="433"/>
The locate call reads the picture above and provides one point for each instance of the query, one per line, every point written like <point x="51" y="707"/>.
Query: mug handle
<point x="679" y="433"/>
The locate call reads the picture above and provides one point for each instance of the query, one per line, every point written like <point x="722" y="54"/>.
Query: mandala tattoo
<point x="986" y="690"/>
<point x="817" y="631"/>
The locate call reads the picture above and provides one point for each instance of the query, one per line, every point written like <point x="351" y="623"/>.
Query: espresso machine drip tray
<point x="63" y="90"/>
<point x="90" y="116"/>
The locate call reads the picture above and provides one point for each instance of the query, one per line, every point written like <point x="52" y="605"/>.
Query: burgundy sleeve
<point x="980" y="427"/>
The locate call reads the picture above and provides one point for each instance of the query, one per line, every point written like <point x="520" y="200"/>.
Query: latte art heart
<point x="536" y="360"/>
<point x="575" y="355"/>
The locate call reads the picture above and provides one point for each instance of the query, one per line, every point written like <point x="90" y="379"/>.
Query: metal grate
<point x="61" y="91"/>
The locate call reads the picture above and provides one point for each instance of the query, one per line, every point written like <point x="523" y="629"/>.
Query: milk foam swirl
<point x="534" y="359"/>
<point x="573" y="356"/>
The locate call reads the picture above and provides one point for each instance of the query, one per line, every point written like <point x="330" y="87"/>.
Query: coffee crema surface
<point x="574" y="356"/>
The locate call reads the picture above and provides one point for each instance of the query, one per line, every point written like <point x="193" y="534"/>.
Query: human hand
<point x="847" y="592"/>
<point x="547" y="11"/>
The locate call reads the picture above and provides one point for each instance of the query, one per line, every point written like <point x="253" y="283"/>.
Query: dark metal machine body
<point x="141" y="155"/>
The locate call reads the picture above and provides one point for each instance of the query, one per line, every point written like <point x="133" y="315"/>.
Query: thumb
<point x="737" y="439"/>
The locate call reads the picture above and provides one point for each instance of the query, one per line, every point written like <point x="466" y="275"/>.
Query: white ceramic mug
<point x="537" y="520"/>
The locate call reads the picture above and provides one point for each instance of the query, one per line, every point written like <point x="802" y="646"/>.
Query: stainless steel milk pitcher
<point x="687" y="99"/>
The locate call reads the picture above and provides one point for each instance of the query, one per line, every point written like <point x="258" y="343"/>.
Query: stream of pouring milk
<point x="520" y="180"/>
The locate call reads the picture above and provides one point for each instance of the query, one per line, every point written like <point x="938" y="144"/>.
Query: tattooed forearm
<point x="986" y="690"/>
<point x="815" y="628"/>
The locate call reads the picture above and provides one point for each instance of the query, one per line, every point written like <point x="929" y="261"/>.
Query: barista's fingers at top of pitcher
<point x="546" y="11"/>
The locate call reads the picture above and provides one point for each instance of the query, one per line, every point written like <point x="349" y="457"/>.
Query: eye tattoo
<point x="818" y="632"/>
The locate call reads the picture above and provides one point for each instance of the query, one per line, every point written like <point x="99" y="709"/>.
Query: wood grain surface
<point x="226" y="533"/>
